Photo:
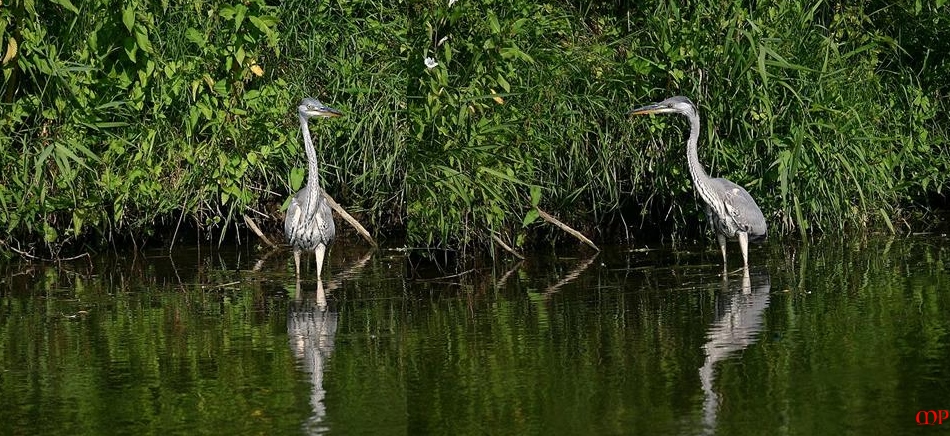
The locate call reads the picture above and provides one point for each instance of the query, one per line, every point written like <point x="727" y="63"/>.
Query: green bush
<point x="124" y="119"/>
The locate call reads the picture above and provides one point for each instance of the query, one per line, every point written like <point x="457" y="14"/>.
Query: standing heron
<point x="731" y="210"/>
<point x="309" y="221"/>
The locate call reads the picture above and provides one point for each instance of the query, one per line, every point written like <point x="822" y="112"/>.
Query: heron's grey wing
<point x="325" y="221"/>
<point x="292" y="220"/>
<point x="741" y="207"/>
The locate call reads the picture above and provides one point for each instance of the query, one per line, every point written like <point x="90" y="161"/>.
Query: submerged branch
<point x="349" y="218"/>
<point x="257" y="231"/>
<point x="506" y="247"/>
<point x="567" y="229"/>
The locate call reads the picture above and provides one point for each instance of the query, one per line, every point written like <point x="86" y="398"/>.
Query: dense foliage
<point x="120" y="119"/>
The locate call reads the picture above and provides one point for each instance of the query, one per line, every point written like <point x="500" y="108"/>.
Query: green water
<point x="832" y="337"/>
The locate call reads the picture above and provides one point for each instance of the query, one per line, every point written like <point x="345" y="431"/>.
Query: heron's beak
<point x="329" y="112"/>
<point x="648" y="109"/>
<point x="323" y="112"/>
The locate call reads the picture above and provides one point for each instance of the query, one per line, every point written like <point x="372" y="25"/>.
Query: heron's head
<point x="311" y="107"/>
<point x="677" y="105"/>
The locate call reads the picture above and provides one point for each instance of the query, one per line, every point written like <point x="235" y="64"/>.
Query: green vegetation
<point x="126" y="119"/>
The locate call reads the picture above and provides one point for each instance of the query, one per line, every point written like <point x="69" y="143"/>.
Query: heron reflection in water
<point x="311" y="325"/>
<point x="737" y="324"/>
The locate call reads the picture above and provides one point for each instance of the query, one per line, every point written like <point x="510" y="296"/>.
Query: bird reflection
<point x="311" y="326"/>
<point x="738" y="321"/>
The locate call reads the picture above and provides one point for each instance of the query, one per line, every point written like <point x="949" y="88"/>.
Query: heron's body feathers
<point x="742" y="214"/>
<point x="309" y="221"/>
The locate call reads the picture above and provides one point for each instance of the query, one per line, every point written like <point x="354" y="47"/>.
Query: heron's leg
<point x="746" y="282"/>
<point x="297" y="262"/>
<point x="722" y="246"/>
<point x="744" y="245"/>
<point x="320" y="252"/>
<point x="321" y="295"/>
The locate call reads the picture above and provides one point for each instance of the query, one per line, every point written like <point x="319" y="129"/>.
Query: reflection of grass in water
<point x="616" y="350"/>
<point x="162" y="357"/>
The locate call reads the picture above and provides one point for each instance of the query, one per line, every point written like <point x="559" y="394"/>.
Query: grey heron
<point x="308" y="225"/>
<point x="731" y="210"/>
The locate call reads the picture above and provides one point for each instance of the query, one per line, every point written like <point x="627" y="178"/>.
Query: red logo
<point x="932" y="417"/>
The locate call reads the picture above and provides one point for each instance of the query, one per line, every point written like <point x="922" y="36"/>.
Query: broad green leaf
<point x="240" y="11"/>
<point x="239" y="55"/>
<point x="141" y="39"/>
<point x="128" y="17"/>
<point x="493" y="23"/>
<point x="67" y="4"/>
<point x="530" y="217"/>
<point x="535" y="195"/>
<point x="296" y="178"/>
<point x="130" y="48"/>
<point x="196" y="37"/>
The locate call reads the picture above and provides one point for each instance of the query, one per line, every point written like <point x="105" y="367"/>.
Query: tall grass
<point x="124" y="119"/>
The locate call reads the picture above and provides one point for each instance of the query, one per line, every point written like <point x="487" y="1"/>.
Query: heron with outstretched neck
<point x="308" y="225"/>
<point x="731" y="210"/>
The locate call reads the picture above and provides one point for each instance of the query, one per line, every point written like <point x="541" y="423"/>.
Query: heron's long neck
<point x="313" y="173"/>
<point x="700" y="178"/>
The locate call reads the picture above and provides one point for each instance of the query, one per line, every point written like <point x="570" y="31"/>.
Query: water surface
<point x="835" y="336"/>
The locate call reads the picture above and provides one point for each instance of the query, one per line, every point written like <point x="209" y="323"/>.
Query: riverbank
<point x="119" y="126"/>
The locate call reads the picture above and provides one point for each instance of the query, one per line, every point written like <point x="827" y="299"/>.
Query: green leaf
<point x="887" y="220"/>
<point x="128" y="17"/>
<point x="530" y="217"/>
<point x="227" y="12"/>
<point x="535" y="195"/>
<point x="66" y="152"/>
<point x="49" y="233"/>
<point x="130" y="48"/>
<point x="493" y="23"/>
<point x="77" y="223"/>
<point x="142" y="40"/>
<point x="504" y="83"/>
<point x="41" y="159"/>
<point x="266" y="25"/>
<point x="501" y="175"/>
<point x="66" y="4"/>
<point x="515" y="52"/>
<point x="296" y="178"/>
<point x="196" y="37"/>
<point x="221" y="87"/>
<point x="239" y="55"/>
<point x="240" y="12"/>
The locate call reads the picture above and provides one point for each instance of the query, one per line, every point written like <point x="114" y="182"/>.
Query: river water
<point x="830" y="336"/>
